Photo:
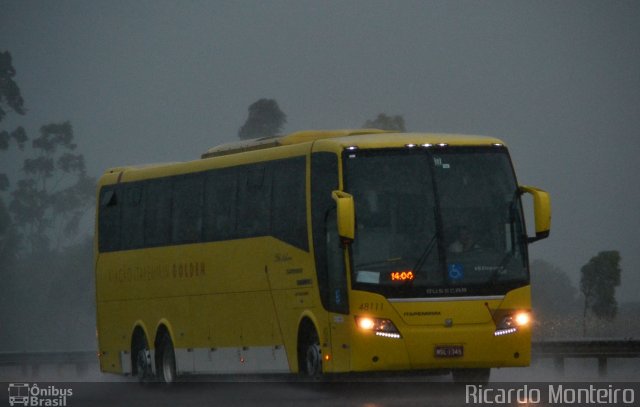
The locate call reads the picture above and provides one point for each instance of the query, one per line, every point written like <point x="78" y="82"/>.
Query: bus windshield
<point x="436" y="222"/>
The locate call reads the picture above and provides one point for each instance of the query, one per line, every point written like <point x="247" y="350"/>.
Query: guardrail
<point x="601" y="349"/>
<point x="30" y="362"/>
<point x="558" y="350"/>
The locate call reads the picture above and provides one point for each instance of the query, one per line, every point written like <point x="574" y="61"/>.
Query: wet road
<point x="273" y="394"/>
<point x="528" y="386"/>
<point x="357" y="394"/>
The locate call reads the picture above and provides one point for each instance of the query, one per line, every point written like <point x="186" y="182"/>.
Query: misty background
<point x="157" y="81"/>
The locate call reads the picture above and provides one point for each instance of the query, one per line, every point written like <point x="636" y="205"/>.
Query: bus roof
<point x="371" y="138"/>
<point x="289" y="139"/>
<point x="397" y="140"/>
<point x="325" y="140"/>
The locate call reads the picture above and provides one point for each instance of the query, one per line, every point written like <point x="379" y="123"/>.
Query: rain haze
<point x="160" y="81"/>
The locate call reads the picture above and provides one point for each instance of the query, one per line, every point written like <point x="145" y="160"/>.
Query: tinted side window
<point x="220" y="205"/>
<point x="157" y="204"/>
<point x="254" y="201"/>
<point x="289" y="203"/>
<point x="187" y="209"/>
<point x="109" y="219"/>
<point x="132" y="230"/>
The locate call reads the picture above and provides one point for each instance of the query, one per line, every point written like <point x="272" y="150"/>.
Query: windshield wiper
<point x="425" y="254"/>
<point x="495" y="275"/>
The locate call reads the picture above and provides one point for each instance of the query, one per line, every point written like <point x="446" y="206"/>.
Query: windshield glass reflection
<point x="446" y="222"/>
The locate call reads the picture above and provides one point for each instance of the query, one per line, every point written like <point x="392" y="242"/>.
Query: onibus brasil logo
<point x="26" y="394"/>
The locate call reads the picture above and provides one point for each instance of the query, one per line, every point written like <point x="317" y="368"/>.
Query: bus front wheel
<point x="310" y="355"/>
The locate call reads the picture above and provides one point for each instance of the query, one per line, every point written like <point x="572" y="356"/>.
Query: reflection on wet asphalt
<point x="529" y="386"/>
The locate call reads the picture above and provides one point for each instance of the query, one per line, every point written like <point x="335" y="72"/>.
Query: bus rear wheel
<point x="141" y="358"/>
<point x="143" y="365"/>
<point x="166" y="361"/>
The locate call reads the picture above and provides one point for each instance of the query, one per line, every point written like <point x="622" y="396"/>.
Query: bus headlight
<point x="511" y="322"/>
<point x="380" y="326"/>
<point x="522" y="318"/>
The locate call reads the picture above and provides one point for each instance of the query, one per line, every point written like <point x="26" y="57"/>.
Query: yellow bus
<point x="317" y="252"/>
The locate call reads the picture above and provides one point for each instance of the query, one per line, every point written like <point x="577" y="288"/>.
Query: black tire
<point x="166" y="360"/>
<point x="141" y="359"/>
<point x="479" y="375"/>
<point x="310" y="355"/>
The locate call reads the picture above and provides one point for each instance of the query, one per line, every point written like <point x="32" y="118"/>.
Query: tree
<point x="10" y="99"/>
<point x="265" y="120"/>
<point x="38" y="209"/>
<point x="384" y="122"/>
<point x="10" y="96"/>
<point x="600" y="277"/>
<point x="56" y="192"/>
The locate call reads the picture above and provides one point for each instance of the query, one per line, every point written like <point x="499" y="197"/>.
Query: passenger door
<point x="338" y="301"/>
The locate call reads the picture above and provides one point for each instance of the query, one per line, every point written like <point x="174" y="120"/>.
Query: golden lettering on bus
<point x="188" y="270"/>
<point x="137" y="273"/>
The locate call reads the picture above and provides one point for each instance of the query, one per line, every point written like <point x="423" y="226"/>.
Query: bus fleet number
<point x="371" y="306"/>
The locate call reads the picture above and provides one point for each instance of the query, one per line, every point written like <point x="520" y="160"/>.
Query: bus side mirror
<point x="346" y="215"/>
<point x="541" y="210"/>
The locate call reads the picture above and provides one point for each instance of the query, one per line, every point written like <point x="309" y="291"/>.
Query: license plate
<point x="449" y="351"/>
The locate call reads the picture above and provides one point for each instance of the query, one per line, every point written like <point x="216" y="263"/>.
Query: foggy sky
<point x="559" y="82"/>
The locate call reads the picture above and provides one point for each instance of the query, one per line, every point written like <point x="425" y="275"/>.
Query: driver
<point x="465" y="241"/>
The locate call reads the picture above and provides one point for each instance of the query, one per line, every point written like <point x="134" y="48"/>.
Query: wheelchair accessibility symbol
<point x="455" y="271"/>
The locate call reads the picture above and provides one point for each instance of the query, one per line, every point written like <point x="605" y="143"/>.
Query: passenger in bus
<point x="465" y="241"/>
